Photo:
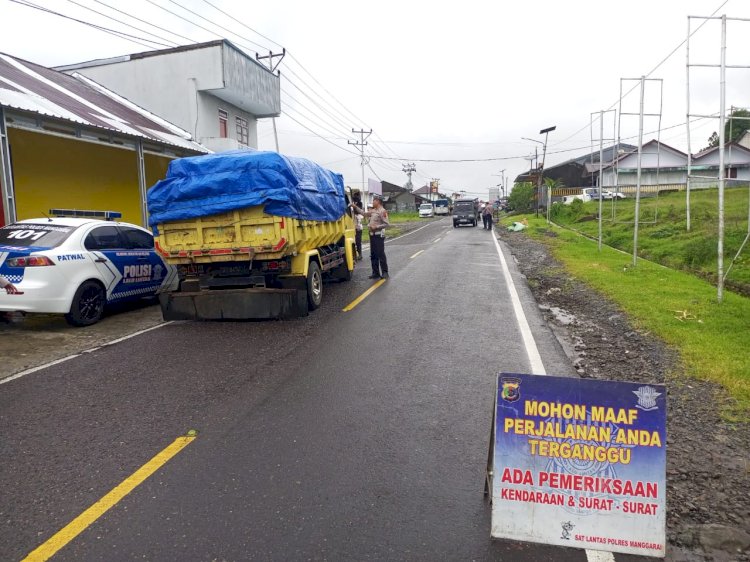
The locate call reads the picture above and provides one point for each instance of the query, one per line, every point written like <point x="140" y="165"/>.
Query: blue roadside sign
<point x="579" y="463"/>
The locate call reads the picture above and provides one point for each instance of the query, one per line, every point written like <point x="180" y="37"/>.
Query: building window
<point x="243" y="133"/>
<point x="223" y="127"/>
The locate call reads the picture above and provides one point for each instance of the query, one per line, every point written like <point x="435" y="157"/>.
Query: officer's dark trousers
<point x="358" y="242"/>
<point x="377" y="255"/>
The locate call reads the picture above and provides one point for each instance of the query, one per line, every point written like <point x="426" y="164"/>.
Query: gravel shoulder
<point x="708" y="460"/>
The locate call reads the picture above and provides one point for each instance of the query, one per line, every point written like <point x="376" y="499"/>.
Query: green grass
<point x="713" y="339"/>
<point x="396" y="219"/>
<point x="662" y="232"/>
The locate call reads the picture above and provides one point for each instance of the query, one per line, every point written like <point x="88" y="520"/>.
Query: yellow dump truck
<point x="268" y="251"/>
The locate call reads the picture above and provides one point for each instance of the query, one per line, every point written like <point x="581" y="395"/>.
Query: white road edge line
<point x="73" y="356"/>
<point x="535" y="359"/>
<point x="532" y="351"/>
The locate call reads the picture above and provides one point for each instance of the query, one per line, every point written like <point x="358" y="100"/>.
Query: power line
<point x="502" y="158"/>
<point x="339" y="117"/>
<point x="146" y="22"/>
<point x="217" y="25"/>
<point x="246" y="39"/>
<point x="318" y="124"/>
<point x="142" y="41"/>
<point x="341" y="123"/>
<point x="319" y="136"/>
<point x="635" y="86"/>
<point x="118" y="33"/>
<point x="242" y="24"/>
<point x="168" y="44"/>
<point x="182" y="18"/>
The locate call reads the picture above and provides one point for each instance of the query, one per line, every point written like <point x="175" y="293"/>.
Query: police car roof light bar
<point x="79" y="213"/>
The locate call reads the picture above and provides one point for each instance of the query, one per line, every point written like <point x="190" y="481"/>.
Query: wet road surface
<point x="357" y="435"/>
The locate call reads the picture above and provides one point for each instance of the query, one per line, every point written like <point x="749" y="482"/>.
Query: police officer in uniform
<point x="378" y="222"/>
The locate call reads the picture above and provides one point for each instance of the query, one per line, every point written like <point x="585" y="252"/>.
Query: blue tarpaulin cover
<point x="216" y="183"/>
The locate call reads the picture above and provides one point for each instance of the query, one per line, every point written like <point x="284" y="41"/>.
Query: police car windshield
<point x="34" y="235"/>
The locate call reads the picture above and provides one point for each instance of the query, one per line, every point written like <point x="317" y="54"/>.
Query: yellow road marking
<point x="363" y="296"/>
<point x="415" y="255"/>
<point x="80" y="523"/>
<point x="436" y="240"/>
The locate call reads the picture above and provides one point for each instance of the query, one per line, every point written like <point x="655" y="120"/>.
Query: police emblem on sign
<point x="567" y="527"/>
<point x="647" y="396"/>
<point x="511" y="389"/>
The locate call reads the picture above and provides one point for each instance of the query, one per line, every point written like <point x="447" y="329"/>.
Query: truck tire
<point x="342" y="272"/>
<point x="314" y="286"/>
<point x="88" y="303"/>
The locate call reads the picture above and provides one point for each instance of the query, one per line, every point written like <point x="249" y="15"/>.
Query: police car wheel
<point x="314" y="285"/>
<point x="88" y="305"/>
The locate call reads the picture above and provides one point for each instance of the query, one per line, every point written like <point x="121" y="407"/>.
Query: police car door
<point x="160" y="273"/>
<point x="119" y="268"/>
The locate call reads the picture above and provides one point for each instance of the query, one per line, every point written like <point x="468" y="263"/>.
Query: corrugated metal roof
<point x="30" y="87"/>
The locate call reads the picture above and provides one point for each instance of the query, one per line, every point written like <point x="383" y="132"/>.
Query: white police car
<point x="76" y="266"/>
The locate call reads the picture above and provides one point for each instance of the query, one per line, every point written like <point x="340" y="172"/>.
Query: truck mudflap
<point x="234" y="304"/>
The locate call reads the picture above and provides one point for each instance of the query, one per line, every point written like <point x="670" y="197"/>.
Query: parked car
<point x="77" y="266"/>
<point x="609" y="195"/>
<point x="426" y="210"/>
<point x="592" y="194"/>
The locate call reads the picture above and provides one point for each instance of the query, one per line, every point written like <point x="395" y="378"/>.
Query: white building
<point x="736" y="162"/>
<point x="213" y="90"/>
<point x="660" y="165"/>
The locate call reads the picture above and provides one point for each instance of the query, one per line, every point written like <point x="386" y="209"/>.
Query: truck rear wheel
<point x="314" y="286"/>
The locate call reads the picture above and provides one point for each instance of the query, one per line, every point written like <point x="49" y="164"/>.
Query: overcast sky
<point x="436" y="81"/>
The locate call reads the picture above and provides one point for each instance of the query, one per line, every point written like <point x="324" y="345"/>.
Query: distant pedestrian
<point x="487" y="216"/>
<point x="356" y="207"/>
<point x="9" y="287"/>
<point x="378" y="222"/>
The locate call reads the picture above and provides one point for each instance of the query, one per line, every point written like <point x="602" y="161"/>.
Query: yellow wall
<point x="55" y="172"/>
<point x="156" y="168"/>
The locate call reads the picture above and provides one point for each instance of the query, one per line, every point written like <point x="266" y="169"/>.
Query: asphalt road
<point x="357" y="435"/>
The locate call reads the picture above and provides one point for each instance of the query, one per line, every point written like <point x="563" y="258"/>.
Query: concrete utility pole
<point x="540" y="168"/>
<point x="273" y="66"/>
<point x="409" y="169"/>
<point x="501" y="175"/>
<point x="361" y="144"/>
